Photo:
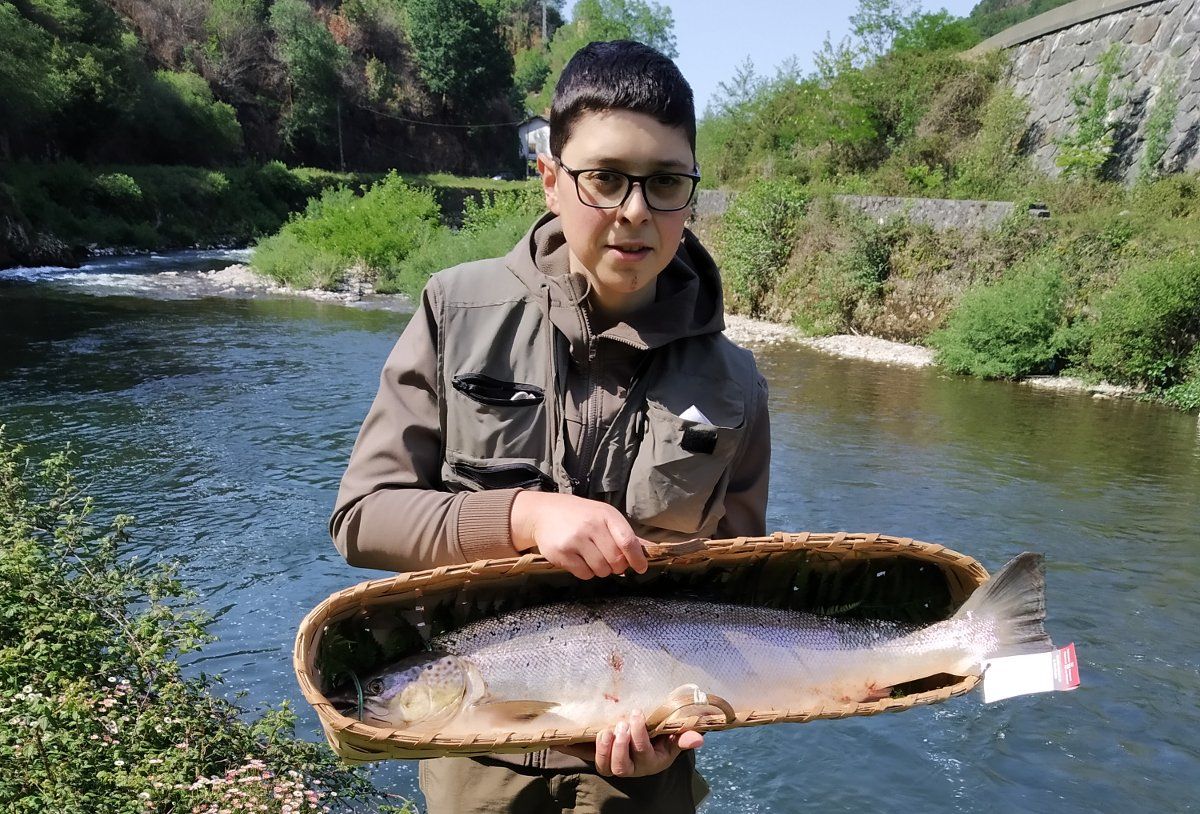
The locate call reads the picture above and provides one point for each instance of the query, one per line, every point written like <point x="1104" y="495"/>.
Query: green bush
<point x="157" y="207"/>
<point x="118" y="191"/>
<point x="754" y="240"/>
<point x="96" y="714"/>
<point x="1186" y="394"/>
<point x="993" y="167"/>
<point x="1087" y="149"/>
<point x="849" y="280"/>
<point x="178" y="119"/>
<point x="1148" y="323"/>
<point x="375" y="231"/>
<point x="1011" y="328"/>
<point x="491" y="227"/>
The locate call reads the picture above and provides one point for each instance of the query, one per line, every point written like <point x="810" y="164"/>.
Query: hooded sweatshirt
<point x="395" y="508"/>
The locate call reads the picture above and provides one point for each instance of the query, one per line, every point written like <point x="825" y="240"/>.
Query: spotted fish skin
<point x="585" y="664"/>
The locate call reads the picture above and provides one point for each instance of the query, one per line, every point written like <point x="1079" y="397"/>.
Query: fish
<point x="587" y="664"/>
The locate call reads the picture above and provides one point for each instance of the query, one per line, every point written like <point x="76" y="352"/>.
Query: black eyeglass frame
<point x="631" y="179"/>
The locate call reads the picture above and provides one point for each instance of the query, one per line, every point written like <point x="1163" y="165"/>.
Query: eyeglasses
<point x="602" y="188"/>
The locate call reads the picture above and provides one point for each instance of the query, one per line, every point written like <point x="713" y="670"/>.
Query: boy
<point x="576" y="397"/>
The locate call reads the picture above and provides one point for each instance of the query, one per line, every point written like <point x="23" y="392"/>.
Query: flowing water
<point x="224" y="424"/>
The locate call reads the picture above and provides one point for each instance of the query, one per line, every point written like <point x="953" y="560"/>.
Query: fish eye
<point x="374" y="686"/>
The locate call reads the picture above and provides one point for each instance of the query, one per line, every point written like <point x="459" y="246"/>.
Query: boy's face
<point x="621" y="250"/>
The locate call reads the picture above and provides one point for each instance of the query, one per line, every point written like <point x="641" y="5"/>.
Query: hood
<point x="688" y="300"/>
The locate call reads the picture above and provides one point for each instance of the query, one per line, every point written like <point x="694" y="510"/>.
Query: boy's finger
<point x="574" y="564"/>
<point x="639" y="736"/>
<point x="604" y="747"/>
<point x="596" y="562"/>
<point x="689" y="740"/>
<point x="629" y="545"/>
<point x="620" y="760"/>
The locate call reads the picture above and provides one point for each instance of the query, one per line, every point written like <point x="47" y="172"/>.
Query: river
<point x="223" y="424"/>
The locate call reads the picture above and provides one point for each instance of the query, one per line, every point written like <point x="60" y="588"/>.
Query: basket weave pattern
<point x="359" y="741"/>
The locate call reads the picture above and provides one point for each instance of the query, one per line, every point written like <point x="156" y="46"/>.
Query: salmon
<point x="580" y="665"/>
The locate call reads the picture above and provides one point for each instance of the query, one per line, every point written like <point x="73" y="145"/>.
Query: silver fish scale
<point x="634" y="651"/>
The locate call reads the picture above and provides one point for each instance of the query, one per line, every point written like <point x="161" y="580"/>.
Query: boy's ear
<point x="548" y="169"/>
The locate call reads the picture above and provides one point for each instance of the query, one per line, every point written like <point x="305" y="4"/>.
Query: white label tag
<point x="1009" y="676"/>
<point x="693" y="414"/>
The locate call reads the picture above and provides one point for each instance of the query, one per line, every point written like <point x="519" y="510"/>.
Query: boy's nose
<point x="635" y="209"/>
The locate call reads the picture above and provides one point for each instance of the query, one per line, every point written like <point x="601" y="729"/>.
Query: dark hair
<point x="620" y="75"/>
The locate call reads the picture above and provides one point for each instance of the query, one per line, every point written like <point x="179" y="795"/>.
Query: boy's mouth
<point x="629" y="251"/>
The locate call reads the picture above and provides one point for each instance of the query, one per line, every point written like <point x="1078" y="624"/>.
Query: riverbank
<point x="240" y="279"/>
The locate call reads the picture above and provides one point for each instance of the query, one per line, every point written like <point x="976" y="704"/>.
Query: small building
<point x="534" y="135"/>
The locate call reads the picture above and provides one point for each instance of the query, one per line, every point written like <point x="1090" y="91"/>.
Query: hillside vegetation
<point x="1107" y="287"/>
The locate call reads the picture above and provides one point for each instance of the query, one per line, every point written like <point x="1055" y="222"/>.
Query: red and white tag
<point x="1008" y="676"/>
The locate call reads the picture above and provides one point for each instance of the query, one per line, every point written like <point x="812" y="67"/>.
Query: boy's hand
<point x="586" y="537"/>
<point x="627" y="750"/>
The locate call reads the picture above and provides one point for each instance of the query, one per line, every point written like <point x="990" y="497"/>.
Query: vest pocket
<point x="491" y="419"/>
<point x="486" y="390"/>
<point x="679" y="477"/>
<point x="481" y="475"/>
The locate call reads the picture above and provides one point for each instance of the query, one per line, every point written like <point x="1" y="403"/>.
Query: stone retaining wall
<point x="1160" y="39"/>
<point x="936" y="212"/>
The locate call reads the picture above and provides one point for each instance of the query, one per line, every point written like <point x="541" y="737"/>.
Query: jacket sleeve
<point x="746" y="496"/>
<point x="392" y="510"/>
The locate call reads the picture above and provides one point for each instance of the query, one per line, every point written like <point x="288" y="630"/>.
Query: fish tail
<point x="1015" y="600"/>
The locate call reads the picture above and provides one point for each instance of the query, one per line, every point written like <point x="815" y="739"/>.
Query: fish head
<point x="425" y="688"/>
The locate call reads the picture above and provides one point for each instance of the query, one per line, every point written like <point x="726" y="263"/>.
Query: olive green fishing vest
<point x="501" y="382"/>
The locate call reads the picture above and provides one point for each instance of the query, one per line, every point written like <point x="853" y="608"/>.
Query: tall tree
<point x="642" y="20"/>
<point x="314" y="64"/>
<point x="459" y="53"/>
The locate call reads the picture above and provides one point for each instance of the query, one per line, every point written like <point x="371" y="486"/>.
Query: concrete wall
<point x="1062" y="48"/>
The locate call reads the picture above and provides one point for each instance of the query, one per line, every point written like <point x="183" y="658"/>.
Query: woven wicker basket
<point x="866" y="575"/>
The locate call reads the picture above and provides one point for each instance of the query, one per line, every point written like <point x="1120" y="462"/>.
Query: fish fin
<point x="522" y="710"/>
<point x="1016" y="599"/>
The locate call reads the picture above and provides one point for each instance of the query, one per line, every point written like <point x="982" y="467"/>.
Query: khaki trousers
<point x="479" y="786"/>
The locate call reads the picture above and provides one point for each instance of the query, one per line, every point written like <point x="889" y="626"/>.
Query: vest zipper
<point x="591" y="410"/>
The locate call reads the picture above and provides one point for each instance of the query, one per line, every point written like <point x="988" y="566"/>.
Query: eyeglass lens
<point x="604" y="188"/>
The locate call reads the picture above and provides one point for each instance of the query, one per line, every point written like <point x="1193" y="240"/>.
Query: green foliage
<point x="1086" y="150"/>
<point x="158" y="207"/>
<point x="491" y="227"/>
<point x="96" y="714"/>
<point x="314" y="62"/>
<point x="643" y="20"/>
<point x="875" y="24"/>
<point x="179" y="117"/>
<point x="1186" y="394"/>
<point x="912" y="108"/>
<point x="30" y="90"/>
<point x="117" y="191"/>
<point x="755" y="240"/>
<point x="935" y="31"/>
<point x="461" y="57"/>
<point x="530" y="71"/>
<point x="993" y="16"/>
<point x="993" y="166"/>
<point x="340" y="230"/>
<point x="1149" y="323"/>
<point x="1011" y="328"/>
<point x="70" y="63"/>
<point x="851" y="280"/>
<point x="1158" y="128"/>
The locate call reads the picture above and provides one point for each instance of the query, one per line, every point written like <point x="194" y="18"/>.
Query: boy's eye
<point x="666" y="182"/>
<point x="603" y="180"/>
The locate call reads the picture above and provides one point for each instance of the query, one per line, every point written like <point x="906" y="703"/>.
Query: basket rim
<point x="359" y="740"/>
